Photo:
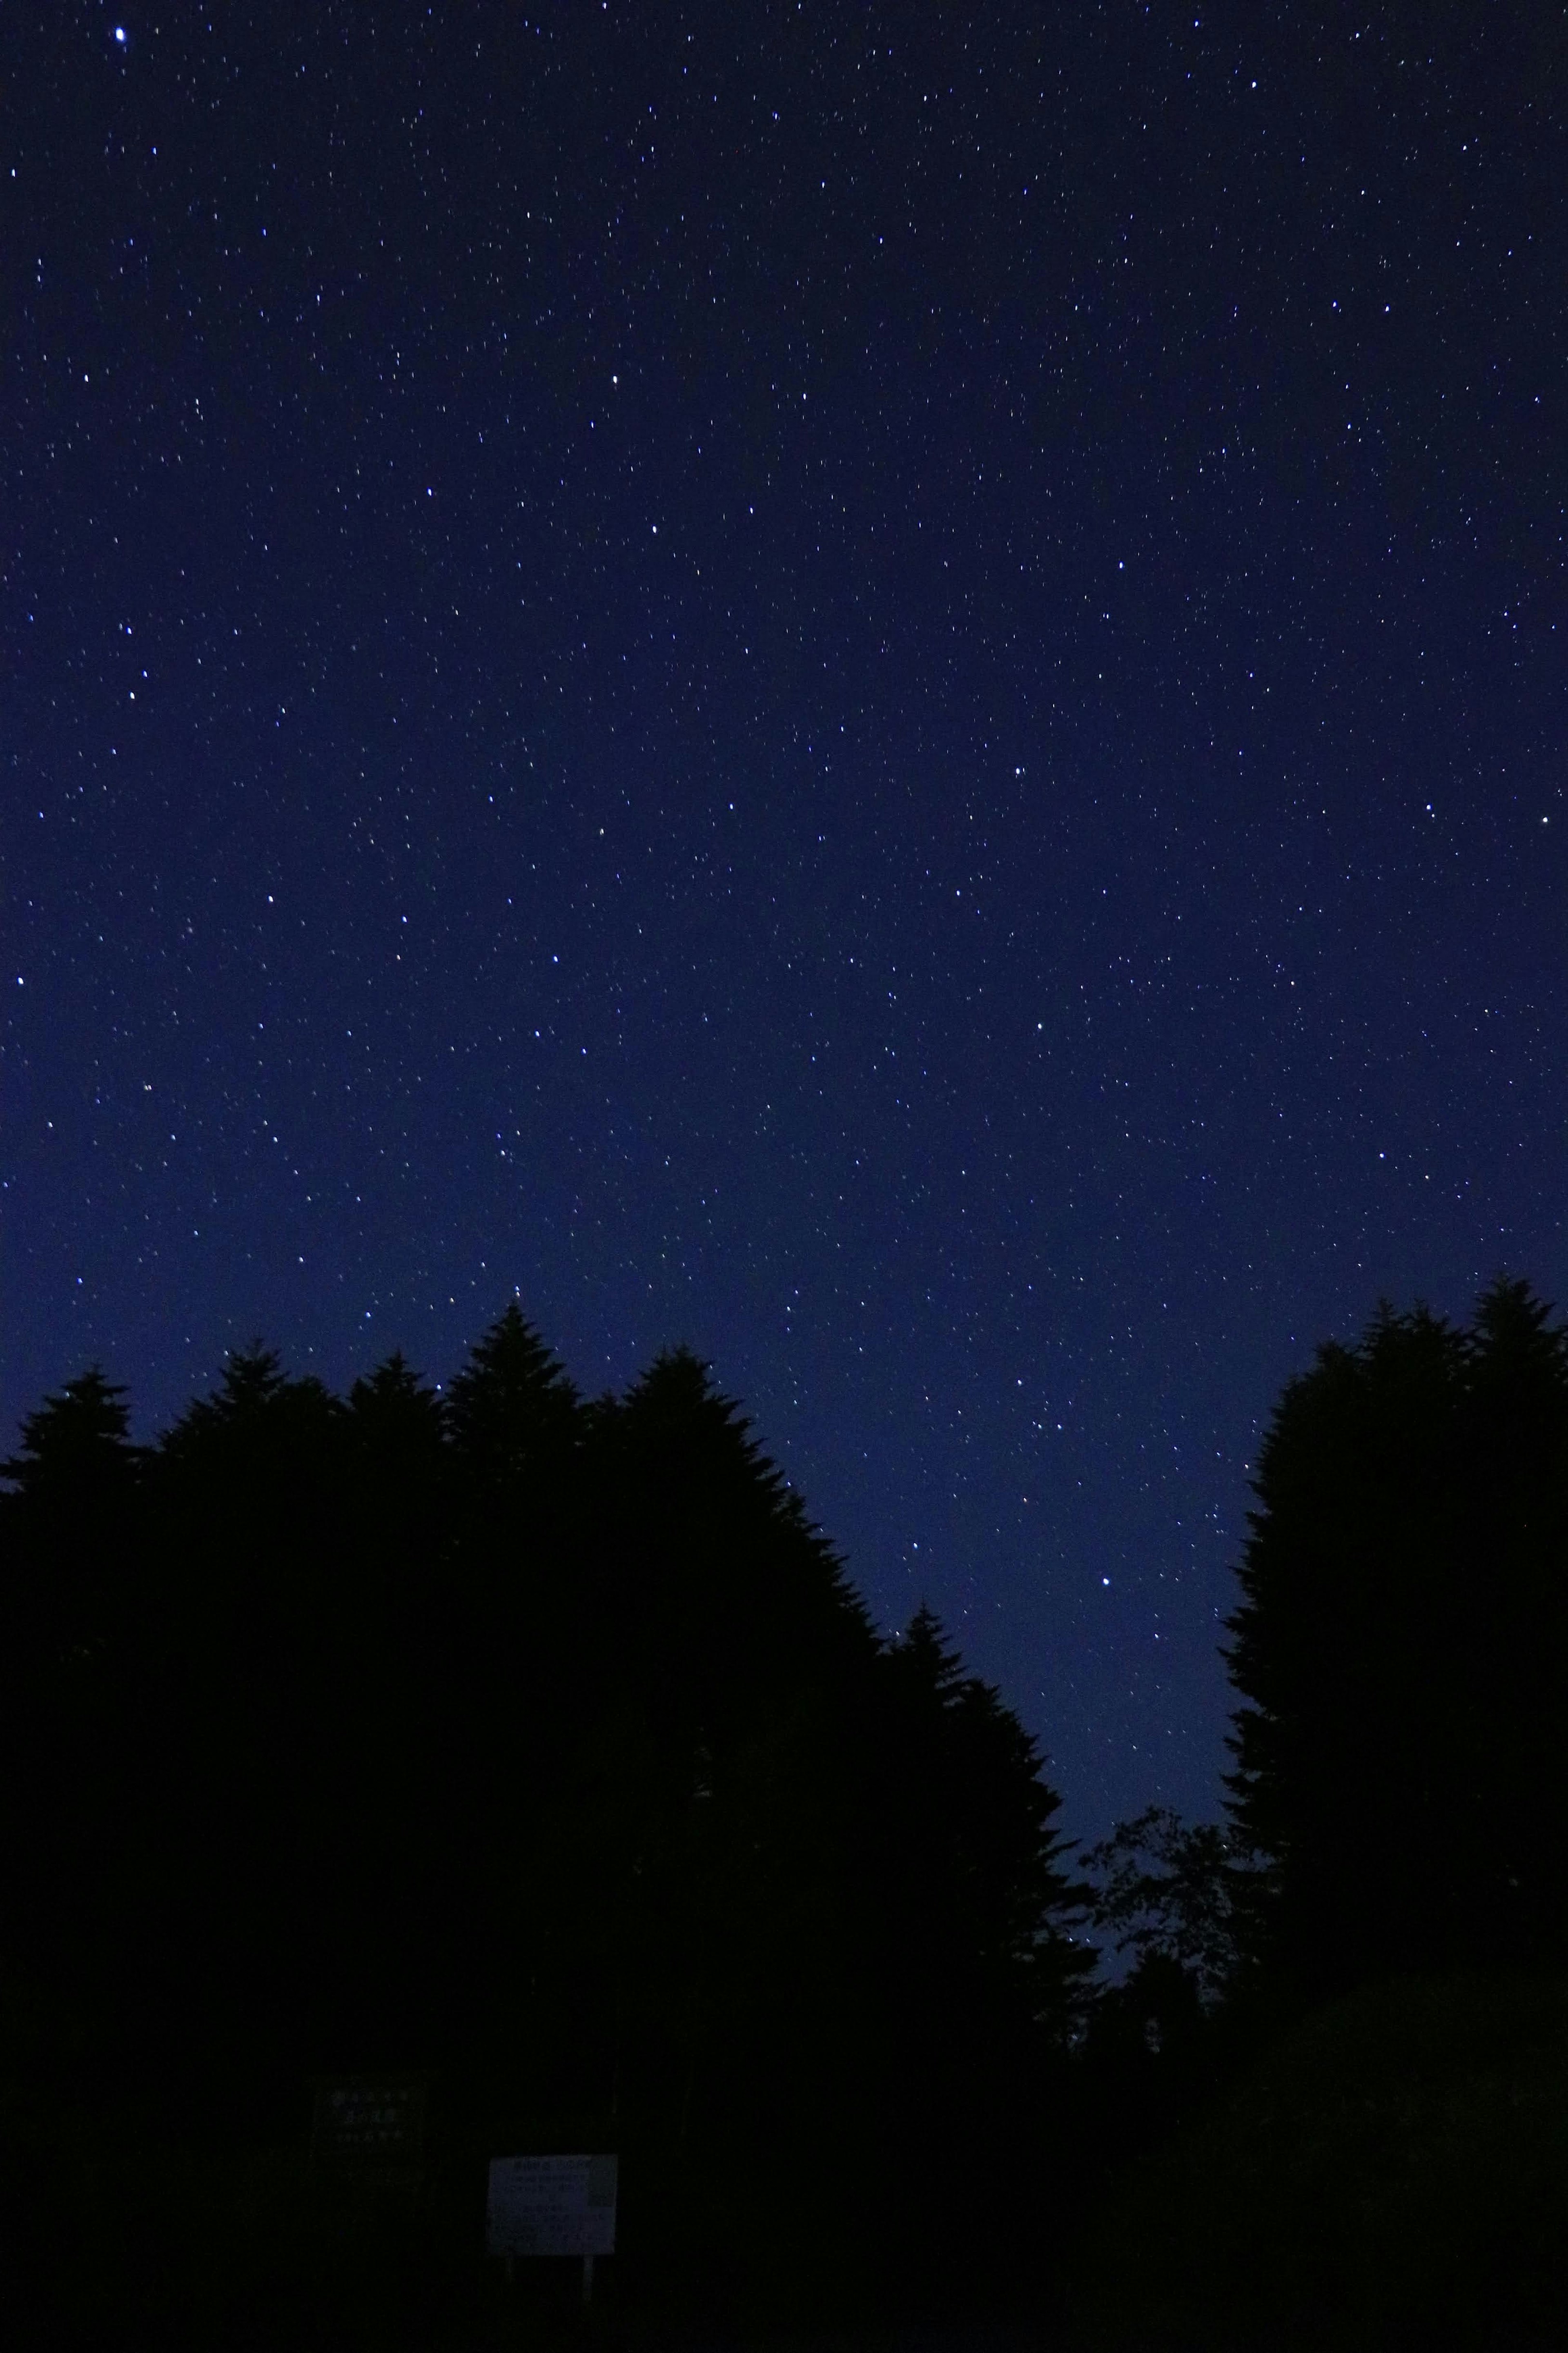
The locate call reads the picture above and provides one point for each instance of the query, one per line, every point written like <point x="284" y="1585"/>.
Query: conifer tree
<point x="984" y="1816"/>
<point x="1399" y="1650"/>
<point x="717" y="1570"/>
<point x="398" y="1417"/>
<point x="512" y="1412"/>
<point x="72" y="1577"/>
<point x="77" y="1442"/>
<point x="64" y="1525"/>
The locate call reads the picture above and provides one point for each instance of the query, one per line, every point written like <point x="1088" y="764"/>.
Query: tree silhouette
<point x="512" y="1412"/>
<point x="1399" y="1650"/>
<point x="398" y="1422"/>
<point x="546" y="1745"/>
<point x="65" y="1522"/>
<point x="1175" y="1892"/>
<point x="983" y="1814"/>
<point x="72" y="1564"/>
<point x="78" y="1442"/>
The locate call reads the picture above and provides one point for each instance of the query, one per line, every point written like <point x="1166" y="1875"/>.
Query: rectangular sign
<point x="551" y="2206"/>
<point x="369" y="2122"/>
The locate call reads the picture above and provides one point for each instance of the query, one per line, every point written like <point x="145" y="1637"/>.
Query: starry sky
<point x="880" y="687"/>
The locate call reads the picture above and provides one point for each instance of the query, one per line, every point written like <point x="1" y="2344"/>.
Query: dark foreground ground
<point x="1390" y="2175"/>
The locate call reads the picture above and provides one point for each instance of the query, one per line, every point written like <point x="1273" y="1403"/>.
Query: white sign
<point x="551" y="2206"/>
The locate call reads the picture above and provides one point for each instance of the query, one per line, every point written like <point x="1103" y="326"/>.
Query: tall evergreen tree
<point x="76" y="1441"/>
<point x="398" y="1421"/>
<point x="512" y="1412"/>
<point x="981" y="1817"/>
<point x="72" y="1577"/>
<point x="1400" y="1652"/>
<point x="238" y="1685"/>
<point x="716" y="1570"/>
<point x="714" y="1636"/>
<point x="64" y="1525"/>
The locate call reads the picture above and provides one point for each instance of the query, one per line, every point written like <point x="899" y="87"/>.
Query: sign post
<point x="552" y="2206"/>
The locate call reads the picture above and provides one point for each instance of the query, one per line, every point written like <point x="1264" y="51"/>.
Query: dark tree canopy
<point x="511" y="1412"/>
<point x="1400" y="1650"/>
<point x="1175" y="1892"/>
<point x="544" y="1744"/>
<point x="77" y="1443"/>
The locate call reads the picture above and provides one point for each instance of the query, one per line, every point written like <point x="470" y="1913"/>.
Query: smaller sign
<point x="551" y="2206"/>
<point x="370" y="2123"/>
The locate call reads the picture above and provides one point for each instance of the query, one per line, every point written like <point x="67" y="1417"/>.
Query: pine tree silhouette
<point x="72" y="1578"/>
<point x="77" y="1444"/>
<point x="1399" y="1650"/>
<point x="512" y="1412"/>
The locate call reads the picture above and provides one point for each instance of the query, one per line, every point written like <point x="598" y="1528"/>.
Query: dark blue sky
<point x="881" y="688"/>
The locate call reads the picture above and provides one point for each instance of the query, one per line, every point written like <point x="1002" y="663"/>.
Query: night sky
<point x="877" y="687"/>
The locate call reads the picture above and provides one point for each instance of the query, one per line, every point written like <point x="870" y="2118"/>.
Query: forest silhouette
<point x="538" y="1749"/>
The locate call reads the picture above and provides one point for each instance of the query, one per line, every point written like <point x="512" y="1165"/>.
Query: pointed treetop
<point x="512" y="1408"/>
<point x="709" y="1517"/>
<point x="678" y="1393"/>
<point x="1415" y="1336"/>
<point x="82" y="1435"/>
<point x="392" y="1381"/>
<point x="695" y="1441"/>
<point x="251" y="1377"/>
<point x="255" y="1400"/>
<point x="925" y="1657"/>
<point x="1512" y="1329"/>
<point x="394" y="1409"/>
